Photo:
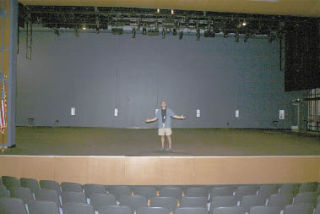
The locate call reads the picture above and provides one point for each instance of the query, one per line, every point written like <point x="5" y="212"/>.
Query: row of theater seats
<point x="27" y="195"/>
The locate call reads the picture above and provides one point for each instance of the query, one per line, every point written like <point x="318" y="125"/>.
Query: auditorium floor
<point x="145" y="142"/>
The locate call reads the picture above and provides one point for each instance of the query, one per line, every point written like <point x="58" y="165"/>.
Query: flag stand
<point x="2" y="147"/>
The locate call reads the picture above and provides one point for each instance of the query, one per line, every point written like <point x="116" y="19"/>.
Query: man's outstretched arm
<point x="151" y="120"/>
<point x="181" y="117"/>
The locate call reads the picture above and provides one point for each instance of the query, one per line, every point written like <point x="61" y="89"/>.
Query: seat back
<point x="265" y="210"/>
<point x="49" y="184"/>
<point x="167" y="202"/>
<point x="31" y="183"/>
<point x="48" y="195"/>
<point x="76" y="197"/>
<point x="23" y="193"/>
<point x="98" y="200"/>
<point x="152" y="210"/>
<point x="43" y="207"/>
<point x="194" y="202"/>
<point x="77" y="208"/>
<point x="114" y="209"/>
<point x="12" y="206"/>
<point x="71" y="187"/>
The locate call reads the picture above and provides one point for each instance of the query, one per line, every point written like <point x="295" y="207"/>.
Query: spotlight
<point x="174" y="32"/>
<point x="144" y="31"/>
<point x="237" y="36"/>
<point x="163" y="33"/>
<point x="244" y="23"/>
<point x="133" y="33"/>
<point x="84" y="27"/>
<point x="198" y="34"/>
<point x="158" y="10"/>
<point x="172" y="12"/>
<point x="180" y="35"/>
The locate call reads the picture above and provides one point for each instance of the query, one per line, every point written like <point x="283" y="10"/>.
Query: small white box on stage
<point x="73" y="111"/>
<point x="237" y="114"/>
<point x="198" y="113"/>
<point x="116" y="112"/>
<point x="281" y="114"/>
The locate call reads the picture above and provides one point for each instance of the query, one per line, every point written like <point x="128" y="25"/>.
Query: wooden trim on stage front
<point x="164" y="170"/>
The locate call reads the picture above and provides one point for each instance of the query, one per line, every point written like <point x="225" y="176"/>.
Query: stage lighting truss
<point x="148" y="22"/>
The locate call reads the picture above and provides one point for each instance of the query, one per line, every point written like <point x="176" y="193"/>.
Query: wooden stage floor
<point x="145" y="142"/>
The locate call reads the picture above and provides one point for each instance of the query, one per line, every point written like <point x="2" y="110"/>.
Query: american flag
<point x="3" y="105"/>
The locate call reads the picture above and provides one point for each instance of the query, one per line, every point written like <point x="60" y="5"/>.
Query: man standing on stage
<point x="164" y="116"/>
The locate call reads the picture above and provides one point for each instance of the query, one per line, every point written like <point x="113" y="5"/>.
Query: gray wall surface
<point x="96" y="73"/>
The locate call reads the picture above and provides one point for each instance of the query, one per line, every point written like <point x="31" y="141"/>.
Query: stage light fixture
<point x="271" y="37"/>
<point x="172" y="12"/>
<point x="244" y="23"/>
<point x="246" y="38"/>
<point x="158" y="10"/>
<point x="144" y="31"/>
<point x="174" y="32"/>
<point x="198" y="34"/>
<point x="76" y="32"/>
<point x="237" y="36"/>
<point x="133" y="33"/>
<point x="56" y="32"/>
<point x="180" y="35"/>
<point x="163" y="33"/>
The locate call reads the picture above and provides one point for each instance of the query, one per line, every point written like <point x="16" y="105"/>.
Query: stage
<point x="133" y="156"/>
<point x="145" y="142"/>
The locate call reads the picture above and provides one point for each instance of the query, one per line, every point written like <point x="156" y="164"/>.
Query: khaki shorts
<point x="164" y="131"/>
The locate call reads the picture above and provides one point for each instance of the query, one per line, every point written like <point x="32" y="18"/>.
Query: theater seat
<point x="98" y="200"/>
<point x="48" y="195"/>
<point x="71" y="187"/>
<point x="12" y="206"/>
<point x="31" y="183"/>
<point x="265" y="210"/>
<point x="191" y="210"/>
<point x="77" y="208"/>
<point x="3" y="191"/>
<point x="23" y="193"/>
<point x="90" y="189"/>
<point x="43" y="207"/>
<point x="228" y="210"/>
<point x="76" y="197"/>
<point x="171" y="191"/>
<point x="146" y="191"/>
<point x="167" y="202"/>
<point x="115" y="210"/>
<point x="133" y="201"/>
<point x="49" y="184"/>
<point x="152" y="210"/>
<point x="302" y="208"/>
<point x="196" y="192"/>
<point x="194" y="202"/>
